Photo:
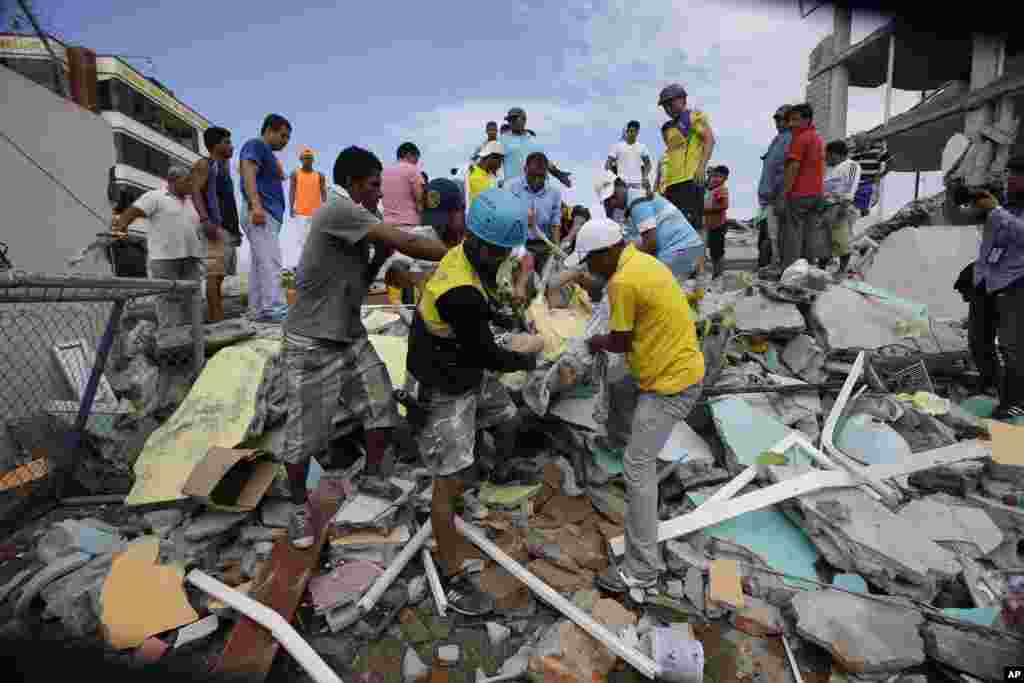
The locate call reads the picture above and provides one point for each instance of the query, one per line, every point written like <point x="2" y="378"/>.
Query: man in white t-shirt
<point x="176" y="244"/>
<point x="629" y="159"/>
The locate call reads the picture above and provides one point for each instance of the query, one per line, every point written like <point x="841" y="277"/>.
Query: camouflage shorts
<point x="448" y="435"/>
<point x="332" y="388"/>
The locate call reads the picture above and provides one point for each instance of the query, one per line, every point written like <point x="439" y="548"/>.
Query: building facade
<point x="152" y="127"/>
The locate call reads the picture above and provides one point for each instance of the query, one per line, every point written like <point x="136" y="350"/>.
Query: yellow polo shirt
<point x="683" y="155"/>
<point x="479" y="181"/>
<point x="646" y="300"/>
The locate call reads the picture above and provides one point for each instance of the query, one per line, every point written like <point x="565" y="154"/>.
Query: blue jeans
<point x="266" y="296"/>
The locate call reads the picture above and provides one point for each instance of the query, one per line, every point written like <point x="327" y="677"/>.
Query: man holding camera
<point x="997" y="296"/>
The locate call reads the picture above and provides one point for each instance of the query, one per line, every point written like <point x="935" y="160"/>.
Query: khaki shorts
<point x="840" y="219"/>
<point x="448" y="435"/>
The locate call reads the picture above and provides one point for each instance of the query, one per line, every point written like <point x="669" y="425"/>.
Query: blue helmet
<point x="498" y="217"/>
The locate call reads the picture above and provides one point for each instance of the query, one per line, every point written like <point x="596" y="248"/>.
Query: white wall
<point x="42" y="225"/>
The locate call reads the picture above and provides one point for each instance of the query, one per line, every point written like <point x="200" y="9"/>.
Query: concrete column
<point x="840" y="75"/>
<point x="985" y="63"/>
<point x="888" y="112"/>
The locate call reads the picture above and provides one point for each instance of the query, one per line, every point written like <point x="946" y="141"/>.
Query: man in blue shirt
<point x="519" y="143"/>
<point x="769" y="188"/>
<point x="543" y="203"/>
<point x="997" y="296"/>
<point x="663" y="230"/>
<point x="262" y="217"/>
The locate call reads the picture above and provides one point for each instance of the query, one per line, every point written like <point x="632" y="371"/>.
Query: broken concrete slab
<point x="982" y="656"/>
<point x="216" y="336"/>
<point x="943" y="518"/>
<point x="162" y="522"/>
<point x="866" y="637"/>
<point x="212" y="524"/>
<point x="759" y="314"/>
<point x="915" y="263"/>
<point x="855" y="532"/>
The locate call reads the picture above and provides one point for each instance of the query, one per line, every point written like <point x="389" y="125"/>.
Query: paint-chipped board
<point x="251" y="649"/>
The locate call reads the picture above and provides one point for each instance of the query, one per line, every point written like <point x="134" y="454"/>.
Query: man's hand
<point x="986" y="202"/>
<point x="257" y="216"/>
<point x="212" y="231"/>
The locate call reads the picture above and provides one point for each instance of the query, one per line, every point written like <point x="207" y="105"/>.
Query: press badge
<point x="995" y="254"/>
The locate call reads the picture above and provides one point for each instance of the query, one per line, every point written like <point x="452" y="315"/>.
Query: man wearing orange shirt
<point x="308" y="191"/>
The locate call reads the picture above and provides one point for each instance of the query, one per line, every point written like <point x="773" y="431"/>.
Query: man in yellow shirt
<point x="689" y="144"/>
<point x="484" y="174"/>
<point x="649" y="322"/>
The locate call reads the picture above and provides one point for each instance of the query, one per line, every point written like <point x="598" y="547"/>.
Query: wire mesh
<point x="51" y="329"/>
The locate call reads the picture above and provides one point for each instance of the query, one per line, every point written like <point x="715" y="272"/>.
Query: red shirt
<point x="808" y="148"/>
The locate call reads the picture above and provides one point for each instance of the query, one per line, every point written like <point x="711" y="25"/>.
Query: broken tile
<point x="870" y="440"/>
<point x="982" y="616"/>
<point x="942" y="519"/>
<point x="864" y="636"/>
<point x="724" y="583"/>
<point x="851" y="582"/>
<point x="982" y="656"/>
<point x="342" y="585"/>
<point x="135" y="576"/>
<point x="758" y="618"/>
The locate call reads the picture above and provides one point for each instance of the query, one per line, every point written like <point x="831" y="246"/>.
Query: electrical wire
<point x="56" y="181"/>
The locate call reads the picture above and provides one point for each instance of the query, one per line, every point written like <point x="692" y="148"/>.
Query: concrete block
<point x="981" y="656"/>
<point x="864" y="636"/>
<point x="212" y="524"/>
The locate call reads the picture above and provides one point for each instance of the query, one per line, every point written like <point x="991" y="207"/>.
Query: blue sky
<point x="379" y="73"/>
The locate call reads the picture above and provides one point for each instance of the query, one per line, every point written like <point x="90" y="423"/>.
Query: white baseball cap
<point x="604" y="186"/>
<point x="594" y="235"/>
<point x="493" y="147"/>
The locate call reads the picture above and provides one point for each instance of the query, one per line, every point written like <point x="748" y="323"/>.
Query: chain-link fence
<point x="60" y="339"/>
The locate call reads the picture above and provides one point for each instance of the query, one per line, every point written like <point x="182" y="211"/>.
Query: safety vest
<point x="453" y="271"/>
<point x="307" y="192"/>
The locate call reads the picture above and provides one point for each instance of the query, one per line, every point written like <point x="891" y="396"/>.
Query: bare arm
<point x="709" y="148"/>
<point x="323" y="188"/>
<point x="200" y="177"/>
<point x="126" y="218"/>
<point x="392" y="236"/>
<point x="417" y="193"/>
<point x="649" y="242"/>
<point x="249" y="171"/>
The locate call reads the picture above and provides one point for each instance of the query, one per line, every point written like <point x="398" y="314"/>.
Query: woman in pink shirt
<point x="402" y="187"/>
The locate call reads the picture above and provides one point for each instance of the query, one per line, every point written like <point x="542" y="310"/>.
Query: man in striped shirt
<point x="873" y="158"/>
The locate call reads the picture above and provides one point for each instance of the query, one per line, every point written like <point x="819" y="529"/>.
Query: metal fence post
<point x="85" y="408"/>
<point x="198" y="338"/>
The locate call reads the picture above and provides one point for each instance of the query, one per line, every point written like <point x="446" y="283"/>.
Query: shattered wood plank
<point x="710" y="513"/>
<point x="251" y="649"/>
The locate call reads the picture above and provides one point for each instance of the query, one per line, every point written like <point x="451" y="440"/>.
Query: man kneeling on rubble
<point x="334" y="375"/>
<point x="650" y="322"/>
<point x="452" y="361"/>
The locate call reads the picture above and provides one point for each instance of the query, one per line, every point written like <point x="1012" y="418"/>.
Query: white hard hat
<point x="594" y="235"/>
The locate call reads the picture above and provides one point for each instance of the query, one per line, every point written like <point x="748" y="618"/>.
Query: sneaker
<point x="1008" y="412"/>
<point x="617" y="579"/>
<point x="468" y="599"/>
<point x="300" y="528"/>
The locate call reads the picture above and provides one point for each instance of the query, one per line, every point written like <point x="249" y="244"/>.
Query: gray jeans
<point x="175" y="308"/>
<point x="644" y="420"/>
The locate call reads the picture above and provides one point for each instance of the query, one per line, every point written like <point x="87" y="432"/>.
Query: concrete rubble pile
<point x="837" y="507"/>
